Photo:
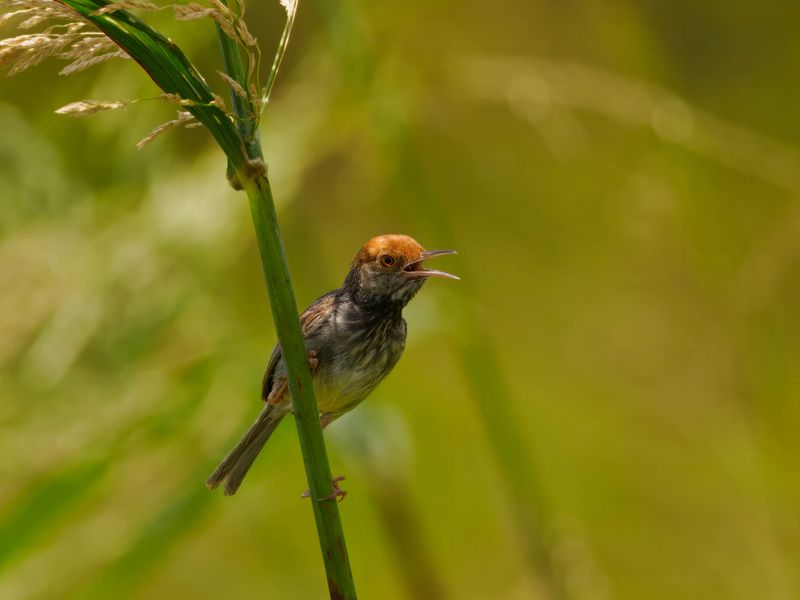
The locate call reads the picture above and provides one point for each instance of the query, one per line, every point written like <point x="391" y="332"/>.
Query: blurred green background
<point x="605" y="407"/>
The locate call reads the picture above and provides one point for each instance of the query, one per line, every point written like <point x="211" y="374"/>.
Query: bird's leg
<point x="337" y="491"/>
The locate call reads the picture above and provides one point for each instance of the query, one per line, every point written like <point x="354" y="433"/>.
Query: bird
<point x="353" y="336"/>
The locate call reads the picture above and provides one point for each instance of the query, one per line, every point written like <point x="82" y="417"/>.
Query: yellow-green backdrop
<point x="605" y="406"/>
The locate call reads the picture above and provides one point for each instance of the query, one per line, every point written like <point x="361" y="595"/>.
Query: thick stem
<point x="312" y="444"/>
<point x="253" y="178"/>
<point x="246" y="121"/>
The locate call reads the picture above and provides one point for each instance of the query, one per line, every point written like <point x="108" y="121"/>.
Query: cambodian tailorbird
<point x="354" y="336"/>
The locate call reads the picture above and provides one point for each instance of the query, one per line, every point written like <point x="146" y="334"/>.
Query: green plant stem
<point x="312" y="444"/>
<point x="290" y="338"/>
<point x="247" y="123"/>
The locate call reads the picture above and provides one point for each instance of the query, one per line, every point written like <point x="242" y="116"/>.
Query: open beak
<point x="415" y="268"/>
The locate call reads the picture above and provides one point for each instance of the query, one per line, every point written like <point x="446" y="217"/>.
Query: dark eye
<point x="387" y="260"/>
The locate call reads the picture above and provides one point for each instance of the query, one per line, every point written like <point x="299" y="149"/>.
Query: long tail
<point x="238" y="462"/>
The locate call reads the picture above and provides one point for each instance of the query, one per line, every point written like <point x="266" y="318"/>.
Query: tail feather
<point x="239" y="460"/>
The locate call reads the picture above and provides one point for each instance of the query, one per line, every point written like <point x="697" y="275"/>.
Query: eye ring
<point x="387" y="260"/>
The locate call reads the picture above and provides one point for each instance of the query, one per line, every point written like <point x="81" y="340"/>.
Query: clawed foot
<point x="337" y="491"/>
<point x="313" y="361"/>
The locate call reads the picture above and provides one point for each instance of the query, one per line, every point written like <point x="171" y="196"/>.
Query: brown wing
<point x="311" y="318"/>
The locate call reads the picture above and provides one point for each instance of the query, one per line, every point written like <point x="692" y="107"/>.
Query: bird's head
<point x="390" y="269"/>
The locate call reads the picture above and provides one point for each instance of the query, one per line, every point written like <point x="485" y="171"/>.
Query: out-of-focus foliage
<point x="622" y="183"/>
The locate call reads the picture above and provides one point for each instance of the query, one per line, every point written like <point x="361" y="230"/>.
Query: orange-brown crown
<point x="399" y="246"/>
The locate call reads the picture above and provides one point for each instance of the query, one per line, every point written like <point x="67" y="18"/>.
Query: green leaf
<point x="168" y="67"/>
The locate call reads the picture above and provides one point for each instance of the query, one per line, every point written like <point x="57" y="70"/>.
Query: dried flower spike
<point x="84" y="108"/>
<point x="126" y="5"/>
<point x="237" y="89"/>
<point x="184" y="118"/>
